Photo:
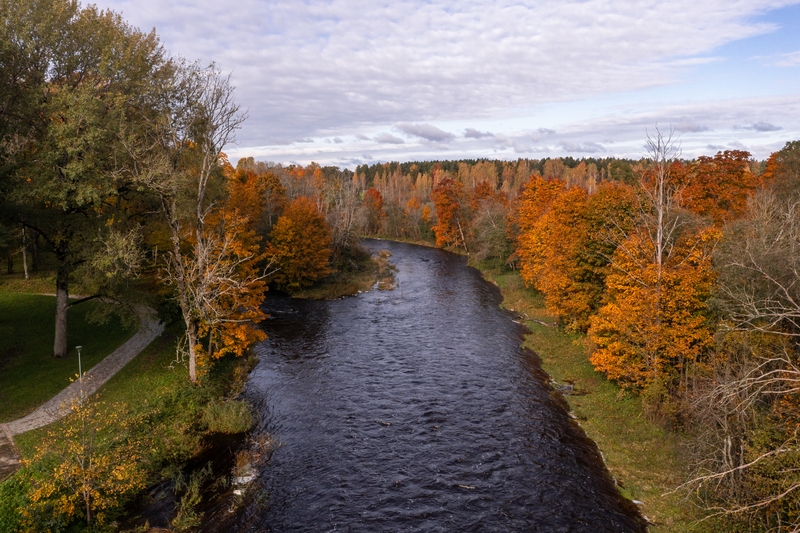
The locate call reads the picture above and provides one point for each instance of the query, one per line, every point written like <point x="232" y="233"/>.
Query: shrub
<point x="232" y="416"/>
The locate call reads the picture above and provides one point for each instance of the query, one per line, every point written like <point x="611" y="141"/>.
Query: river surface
<point x="417" y="410"/>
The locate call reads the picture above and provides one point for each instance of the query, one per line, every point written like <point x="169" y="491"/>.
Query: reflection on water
<point x="417" y="410"/>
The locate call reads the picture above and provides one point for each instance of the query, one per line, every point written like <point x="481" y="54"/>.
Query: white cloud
<point x="583" y="147"/>
<point x="388" y="138"/>
<point x="310" y="69"/>
<point x="425" y="131"/>
<point x="763" y="126"/>
<point x="472" y="133"/>
<point x="791" y="59"/>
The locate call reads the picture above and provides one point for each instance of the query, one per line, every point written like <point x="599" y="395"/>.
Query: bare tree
<point x="179" y="152"/>
<point x="749" y="446"/>
<point x="760" y="267"/>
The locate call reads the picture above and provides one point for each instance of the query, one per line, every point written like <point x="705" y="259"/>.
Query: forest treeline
<point x="683" y="274"/>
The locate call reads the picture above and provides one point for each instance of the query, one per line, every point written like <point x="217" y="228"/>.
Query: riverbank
<point x="167" y="422"/>
<point x="642" y="457"/>
<point x="362" y="276"/>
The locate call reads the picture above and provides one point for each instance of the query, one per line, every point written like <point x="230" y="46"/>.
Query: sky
<point x="347" y="82"/>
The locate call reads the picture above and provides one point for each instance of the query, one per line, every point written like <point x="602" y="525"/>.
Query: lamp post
<point x="80" y="372"/>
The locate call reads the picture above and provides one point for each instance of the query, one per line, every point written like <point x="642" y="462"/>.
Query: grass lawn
<point x="29" y="375"/>
<point x="642" y="457"/>
<point x="153" y="393"/>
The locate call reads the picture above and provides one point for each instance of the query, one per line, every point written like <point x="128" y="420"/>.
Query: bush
<point x="232" y="416"/>
<point x="12" y="499"/>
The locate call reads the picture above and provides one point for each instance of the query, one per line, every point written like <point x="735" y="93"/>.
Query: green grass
<point x="29" y="375"/>
<point x="643" y="458"/>
<point x="167" y="411"/>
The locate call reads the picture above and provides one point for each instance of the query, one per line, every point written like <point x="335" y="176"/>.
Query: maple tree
<point x="653" y="330"/>
<point x="654" y="327"/>
<point x="300" y="245"/>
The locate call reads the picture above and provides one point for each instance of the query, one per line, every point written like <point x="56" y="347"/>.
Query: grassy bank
<point x="170" y="420"/>
<point x="643" y="458"/>
<point x="29" y="375"/>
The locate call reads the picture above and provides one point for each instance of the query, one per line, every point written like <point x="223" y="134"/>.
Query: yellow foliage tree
<point x="84" y="467"/>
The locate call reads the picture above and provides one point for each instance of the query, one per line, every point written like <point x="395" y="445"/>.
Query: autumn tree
<point x="258" y="193"/>
<point x="86" y="467"/>
<point x="718" y="187"/>
<point x="782" y="172"/>
<point x="529" y="220"/>
<point x="300" y="245"/>
<point x="488" y="233"/>
<point x="450" y="226"/>
<point x="654" y="331"/>
<point x="341" y="194"/>
<point x="178" y="154"/>
<point x="747" y="410"/>
<point x="373" y="206"/>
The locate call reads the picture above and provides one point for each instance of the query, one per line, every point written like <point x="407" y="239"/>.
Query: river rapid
<point x="417" y="410"/>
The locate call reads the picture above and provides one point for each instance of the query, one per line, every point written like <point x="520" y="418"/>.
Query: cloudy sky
<point x="346" y="82"/>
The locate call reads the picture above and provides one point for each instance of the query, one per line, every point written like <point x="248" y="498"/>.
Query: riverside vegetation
<point x="681" y="274"/>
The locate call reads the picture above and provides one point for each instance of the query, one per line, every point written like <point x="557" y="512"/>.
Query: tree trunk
<point x="62" y="302"/>
<point x="191" y="334"/>
<point x="25" y="253"/>
<point x="10" y="258"/>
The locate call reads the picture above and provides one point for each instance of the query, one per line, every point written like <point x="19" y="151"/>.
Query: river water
<point x="417" y="410"/>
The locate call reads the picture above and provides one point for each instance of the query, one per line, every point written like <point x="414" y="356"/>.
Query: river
<point x="417" y="410"/>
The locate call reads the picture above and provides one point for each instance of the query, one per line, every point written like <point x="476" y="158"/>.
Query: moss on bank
<point x="643" y="458"/>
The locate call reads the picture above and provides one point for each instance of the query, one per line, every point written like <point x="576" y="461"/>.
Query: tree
<point x="719" y="187"/>
<point x="746" y="411"/>
<point x="86" y="467"/>
<point x="653" y="330"/>
<point x="300" y="245"/>
<point x="81" y="74"/>
<point x="179" y="159"/>
<point x="531" y="209"/>
<point x="446" y="196"/>
<point x="373" y="204"/>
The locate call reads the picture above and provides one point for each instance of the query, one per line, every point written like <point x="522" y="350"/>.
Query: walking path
<point x="58" y="406"/>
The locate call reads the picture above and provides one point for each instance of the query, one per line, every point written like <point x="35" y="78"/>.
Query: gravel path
<point x="58" y="406"/>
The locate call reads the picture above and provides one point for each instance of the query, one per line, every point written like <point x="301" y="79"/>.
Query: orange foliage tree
<point x="447" y="197"/>
<point x="654" y="330"/>
<point x="654" y="327"/>
<point x="718" y="187"/>
<point x="531" y="209"/>
<point x="229" y="297"/>
<point x="565" y="243"/>
<point x="373" y="203"/>
<point x="300" y="245"/>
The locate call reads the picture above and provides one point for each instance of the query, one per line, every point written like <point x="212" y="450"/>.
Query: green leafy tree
<point x="69" y="168"/>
